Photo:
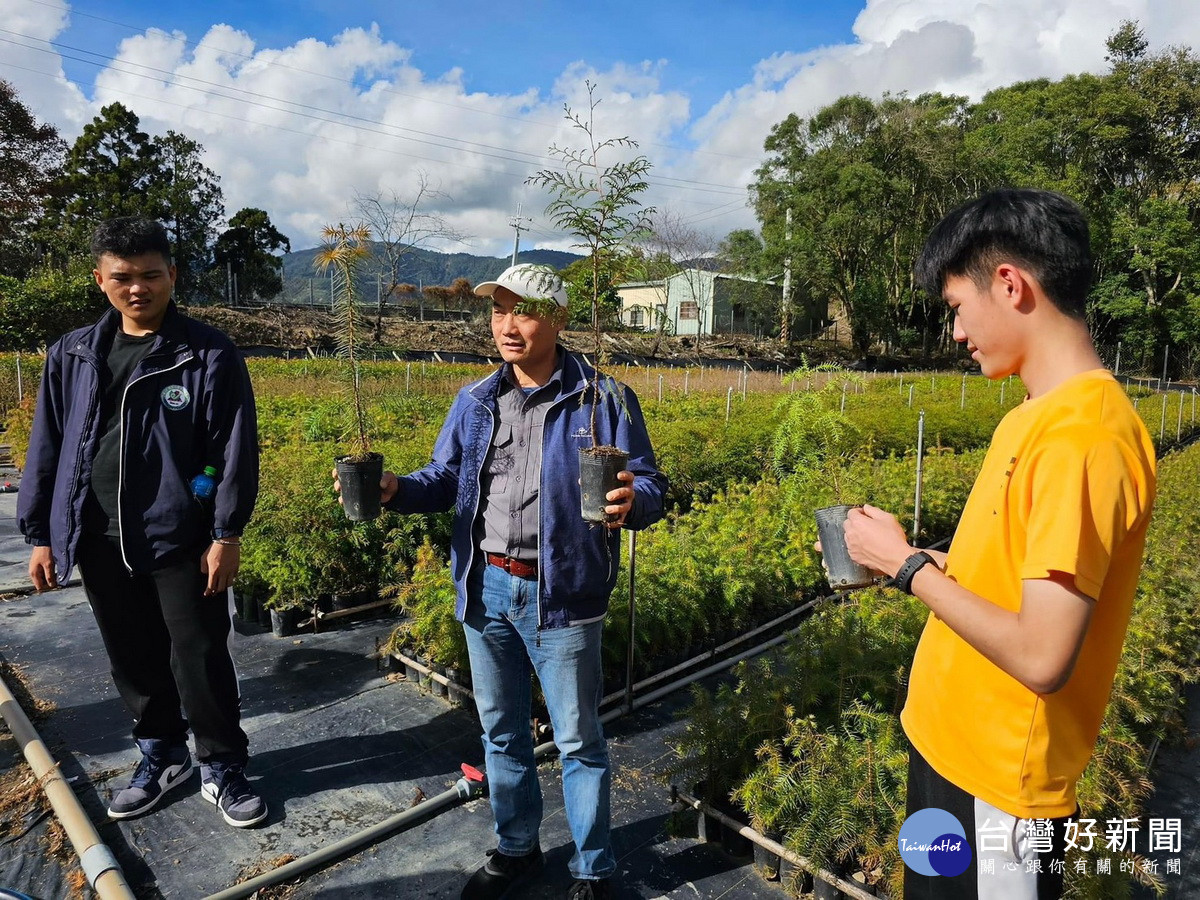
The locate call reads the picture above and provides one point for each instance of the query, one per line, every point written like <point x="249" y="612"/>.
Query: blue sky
<point x="708" y="47"/>
<point x="303" y="107"/>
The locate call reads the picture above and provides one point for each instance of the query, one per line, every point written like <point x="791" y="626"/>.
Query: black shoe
<point x="225" y="786"/>
<point x="588" y="889"/>
<point x="163" y="768"/>
<point x="493" y="879"/>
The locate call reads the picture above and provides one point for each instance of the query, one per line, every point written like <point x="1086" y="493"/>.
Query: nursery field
<point x="805" y="741"/>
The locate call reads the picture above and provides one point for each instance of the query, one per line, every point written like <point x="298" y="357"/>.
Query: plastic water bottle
<point x="204" y="485"/>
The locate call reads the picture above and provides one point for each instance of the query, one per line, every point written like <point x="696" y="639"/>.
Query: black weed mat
<point x="337" y="746"/>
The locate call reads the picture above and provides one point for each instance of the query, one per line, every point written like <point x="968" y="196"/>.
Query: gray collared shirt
<point x="507" y="522"/>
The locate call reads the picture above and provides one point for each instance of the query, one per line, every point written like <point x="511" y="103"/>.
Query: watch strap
<point x="912" y="565"/>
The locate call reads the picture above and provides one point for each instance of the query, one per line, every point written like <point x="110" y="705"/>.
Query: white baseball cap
<point x="529" y="281"/>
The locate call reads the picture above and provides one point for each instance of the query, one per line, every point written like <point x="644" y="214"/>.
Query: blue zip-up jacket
<point x="188" y="405"/>
<point x="577" y="561"/>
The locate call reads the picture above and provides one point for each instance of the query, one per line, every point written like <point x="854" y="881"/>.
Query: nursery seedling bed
<point x="338" y="746"/>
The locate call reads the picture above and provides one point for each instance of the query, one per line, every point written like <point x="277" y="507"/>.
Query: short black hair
<point x="130" y="236"/>
<point x="1041" y="231"/>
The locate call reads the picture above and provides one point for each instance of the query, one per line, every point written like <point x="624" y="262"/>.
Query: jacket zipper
<point x="541" y="471"/>
<point x="83" y="435"/>
<point x="121" y="453"/>
<point x="478" y="473"/>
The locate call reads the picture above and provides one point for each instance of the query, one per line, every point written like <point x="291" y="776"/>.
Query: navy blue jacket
<point x="188" y="405"/>
<point x="577" y="561"/>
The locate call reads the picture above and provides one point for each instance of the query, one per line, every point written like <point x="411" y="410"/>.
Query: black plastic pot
<point x="736" y="845"/>
<point x="436" y="686"/>
<point x="283" y="621"/>
<point x="262" y="613"/>
<point x="844" y="574"/>
<point x="794" y="878"/>
<point x="360" y="486"/>
<point x="352" y="599"/>
<point x="765" y="861"/>
<point x="598" y="468"/>
<point x="708" y="828"/>
<point x="454" y="676"/>
<point x="823" y="890"/>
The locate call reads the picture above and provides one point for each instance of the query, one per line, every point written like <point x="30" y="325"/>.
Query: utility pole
<point x="786" y="304"/>
<point x="515" y="223"/>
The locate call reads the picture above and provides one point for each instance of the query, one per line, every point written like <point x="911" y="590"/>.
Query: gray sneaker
<point x="162" y="768"/>
<point x="225" y="785"/>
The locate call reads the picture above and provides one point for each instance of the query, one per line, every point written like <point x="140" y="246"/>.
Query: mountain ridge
<point x="420" y="267"/>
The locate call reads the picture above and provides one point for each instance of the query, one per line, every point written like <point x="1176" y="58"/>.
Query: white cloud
<point x="35" y="68"/>
<point x="952" y="46"/>
<point x="299" y="130"/>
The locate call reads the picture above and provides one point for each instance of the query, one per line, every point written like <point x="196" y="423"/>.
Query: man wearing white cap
<point x="533" y="578"/>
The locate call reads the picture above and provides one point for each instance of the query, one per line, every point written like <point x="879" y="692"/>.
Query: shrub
<point x="49" y="303"/>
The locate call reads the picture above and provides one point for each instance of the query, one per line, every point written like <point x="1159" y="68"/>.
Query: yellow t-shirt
<point x="1067" y="486"/>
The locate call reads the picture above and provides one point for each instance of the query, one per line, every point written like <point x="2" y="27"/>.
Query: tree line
<point x="844" y="200"/>
<point x="865" y="181"/>
<point x="52" y="195"/>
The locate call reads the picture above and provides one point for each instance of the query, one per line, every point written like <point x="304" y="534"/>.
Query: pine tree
<point x="31" y="155"/>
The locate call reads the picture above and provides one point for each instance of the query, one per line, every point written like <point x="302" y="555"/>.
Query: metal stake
<point x="920" y="472"/>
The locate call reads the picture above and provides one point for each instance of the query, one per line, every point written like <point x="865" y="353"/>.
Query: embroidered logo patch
<point x="175" y="397"/>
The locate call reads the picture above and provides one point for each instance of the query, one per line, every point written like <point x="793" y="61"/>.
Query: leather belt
<point x="512" y="566"/>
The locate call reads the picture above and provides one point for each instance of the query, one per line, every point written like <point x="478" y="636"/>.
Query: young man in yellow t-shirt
<point x="1030" y="605"/>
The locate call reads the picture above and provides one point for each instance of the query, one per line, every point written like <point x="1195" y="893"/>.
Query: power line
<point x="328" y="139"/>
<point x="75" y="11"/>
<point x="122" y="67"/>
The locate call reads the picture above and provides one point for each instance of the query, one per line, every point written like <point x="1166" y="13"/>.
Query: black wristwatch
<point x="911" y="567"/>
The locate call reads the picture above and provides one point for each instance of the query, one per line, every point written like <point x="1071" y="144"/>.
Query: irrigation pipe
<point x="711" y="654"/>
<point x="463" y="789"/>
<point x="846" y="887"/>
<point x="99" y="865"/>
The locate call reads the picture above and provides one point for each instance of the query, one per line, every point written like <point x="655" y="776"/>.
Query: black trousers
<point x="1043" y="870"/>
<point x="168" y="646"/>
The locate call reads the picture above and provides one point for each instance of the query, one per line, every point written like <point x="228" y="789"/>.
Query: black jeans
<point x="168" y="646"/>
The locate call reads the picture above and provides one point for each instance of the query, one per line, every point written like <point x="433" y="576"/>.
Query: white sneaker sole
<point x="174" y="776"/>
<point x="210" y="792"/>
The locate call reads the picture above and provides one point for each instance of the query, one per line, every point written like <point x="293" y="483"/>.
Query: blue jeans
<point x="505" y="646"/>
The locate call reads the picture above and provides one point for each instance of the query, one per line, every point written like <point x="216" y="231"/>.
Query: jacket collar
<point x="171" y="339"/>
<point x="574" y="378"/>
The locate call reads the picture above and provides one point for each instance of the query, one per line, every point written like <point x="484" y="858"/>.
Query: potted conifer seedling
<point x="598" y="205"/>
<point x="359" y="470"/>
<point x="814" y="436"/>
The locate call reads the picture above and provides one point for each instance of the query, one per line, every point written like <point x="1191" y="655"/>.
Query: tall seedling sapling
<point x="360" y="470"/>
<point x="599" y="205"/>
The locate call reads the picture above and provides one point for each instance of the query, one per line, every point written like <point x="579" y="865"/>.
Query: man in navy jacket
<point x="533" y="578"/>
<point x="129" y="411"/>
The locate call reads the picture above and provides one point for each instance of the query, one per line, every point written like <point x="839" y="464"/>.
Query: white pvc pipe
<point x="98" y="863"/>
